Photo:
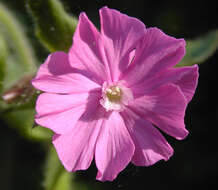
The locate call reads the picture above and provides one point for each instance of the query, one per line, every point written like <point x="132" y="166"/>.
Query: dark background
<point x="195" y="161"/>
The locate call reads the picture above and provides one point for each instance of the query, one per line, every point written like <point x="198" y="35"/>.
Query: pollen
<point x="114" y="94"/>
<point x="115" y="97"/>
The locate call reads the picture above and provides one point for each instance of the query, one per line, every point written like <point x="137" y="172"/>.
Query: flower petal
<point x="76" y="148"/>
<point x="165" y="108"/>
<point x="185" y="77"/>
<point x="155" y="52"/>
<point x="114" y="148"/>
<point x="61" y="112"/>
<point x="188" y="82"/>
<point x="86" y="54"/>
<point x="57" y="76"/>
<point x="150" y="145"/>
<point x="120" y="35"/>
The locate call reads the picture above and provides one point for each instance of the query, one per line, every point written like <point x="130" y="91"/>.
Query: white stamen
<point x="115" y="97"/>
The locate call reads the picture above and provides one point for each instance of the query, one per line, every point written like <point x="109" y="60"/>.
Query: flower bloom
<point x="105" y="98"/>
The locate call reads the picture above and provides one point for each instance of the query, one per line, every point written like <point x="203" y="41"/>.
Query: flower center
<point x="114" y="93"/>
<point x="115" y="97"/>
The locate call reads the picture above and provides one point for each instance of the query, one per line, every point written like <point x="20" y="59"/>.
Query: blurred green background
<point x="195" y="161"/>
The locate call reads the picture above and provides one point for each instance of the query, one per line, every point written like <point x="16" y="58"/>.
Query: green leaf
<point x="14" y="72"/>
<point x="20" y="59"/>
<point x="200" y="49"/>
<point x="22" y="120"/>
<point x="3" y="58"/>
<point x="54" y="27"/>
<point x="64" y="181"/>
<point x="16" y="39"/>
<point x="56" y="177"/>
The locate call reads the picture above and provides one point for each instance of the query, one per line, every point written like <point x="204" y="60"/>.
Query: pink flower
<point x="107" y="96"/>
